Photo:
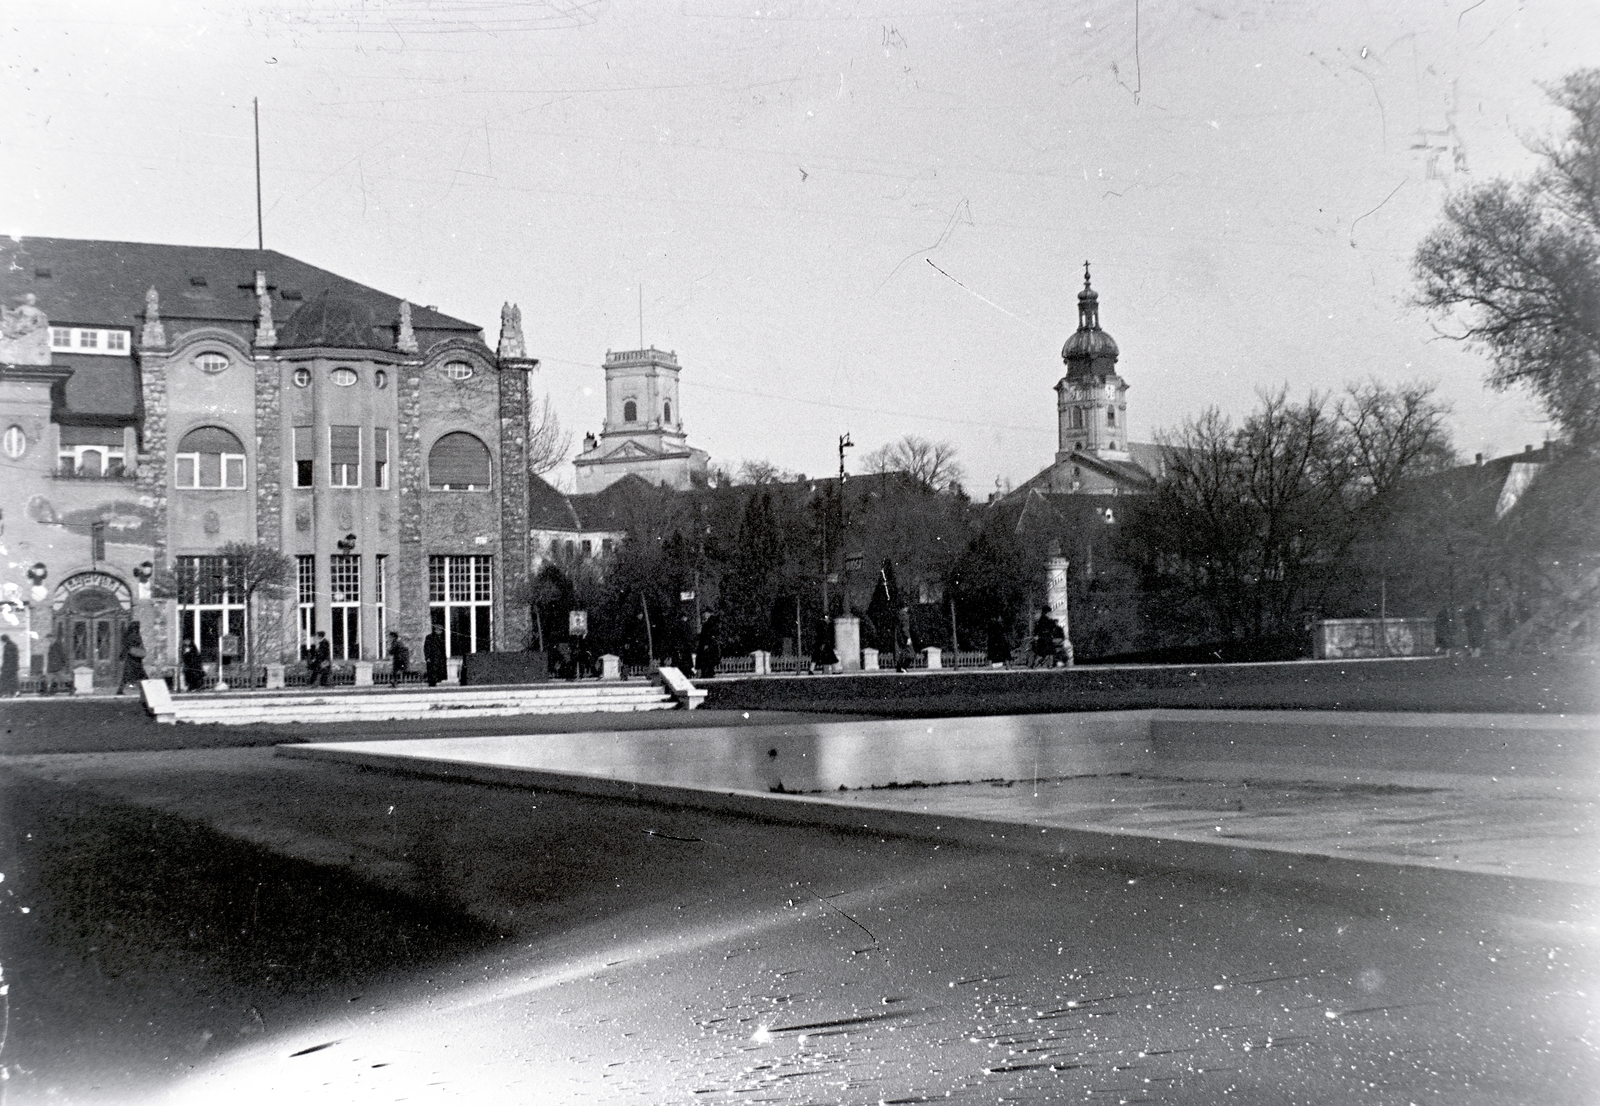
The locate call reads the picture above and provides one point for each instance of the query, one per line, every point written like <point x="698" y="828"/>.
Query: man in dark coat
<point x="194" y="667"/>
<point x="400" y="658"/>
<point x="1047" y="638"/>
<point x="433" y="658"/>
<point x="132" y="657"/>
<point x="10" y="667"/>
<point x="708" y="652"/>
<point x="321" y="660"/>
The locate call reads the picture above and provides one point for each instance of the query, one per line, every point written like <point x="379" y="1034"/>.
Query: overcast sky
<point x="843" y="216"/>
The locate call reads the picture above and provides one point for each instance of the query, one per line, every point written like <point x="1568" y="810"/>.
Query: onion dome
<point x="1090" y="348"/>
<point x="334" y="322"/>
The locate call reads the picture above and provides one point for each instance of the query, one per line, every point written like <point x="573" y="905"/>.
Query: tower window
<point x="666" y="411"/>
<point x="344" y="456"/>
<point x="1077" y="418"/>
<point x="630" y="411"/>
<point x="1111" y="416"/>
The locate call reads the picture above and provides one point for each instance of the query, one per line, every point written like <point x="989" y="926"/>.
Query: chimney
<point x="1527" y="449"/>
<point x="1478" y="460"/>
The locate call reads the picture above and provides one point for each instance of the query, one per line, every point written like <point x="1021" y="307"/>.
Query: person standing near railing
<point x="400" y="658"/>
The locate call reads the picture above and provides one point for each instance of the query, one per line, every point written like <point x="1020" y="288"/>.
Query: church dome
<point x="1089" y="343"/>
<point x="334" y="322"/>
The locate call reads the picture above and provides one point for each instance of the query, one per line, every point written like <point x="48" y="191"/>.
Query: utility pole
<point x="260" y="236"/>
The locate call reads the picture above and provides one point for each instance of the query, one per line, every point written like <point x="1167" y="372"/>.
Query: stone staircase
<point x="383" y="704"/>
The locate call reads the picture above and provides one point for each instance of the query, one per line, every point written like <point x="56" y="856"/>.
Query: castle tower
<point x="1091" y="400"/>
<point x="643" y="431"/>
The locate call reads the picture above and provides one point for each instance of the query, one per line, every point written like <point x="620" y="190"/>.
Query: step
<point x="385" y="705"/>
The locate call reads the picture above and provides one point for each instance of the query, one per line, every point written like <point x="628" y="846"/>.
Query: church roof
<point x="1089" y="346"/>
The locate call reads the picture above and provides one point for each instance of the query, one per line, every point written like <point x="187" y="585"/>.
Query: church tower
<point x="1091" y="400"/>
<point x="643" y="431"/>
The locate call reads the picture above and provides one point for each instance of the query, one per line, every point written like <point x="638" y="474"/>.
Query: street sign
<point x="686" y="596"/>
<point x="577" y="623"/>
<point x="852" y="562"/>
<point x="228" y="645"/>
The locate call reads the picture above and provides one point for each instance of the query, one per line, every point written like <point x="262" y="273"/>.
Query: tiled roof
<point x="100" y="388"/>
<point x="87" y="282"/>
<point x="548" y="509"/>
<point x="616" y="505"/>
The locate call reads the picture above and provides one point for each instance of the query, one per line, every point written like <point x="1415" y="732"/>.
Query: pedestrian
<point x="55" y="665"/>
<point x="400" y="658"/>
<point x="1047" y="639"/>
<point x="999" y="649"/>
<point x="823" y="655"/>
<point x="433" y="661"/>
<point x="321" y="660"/>
<point x="708" y="652"/>
<point x="902" y="641"/>
<point x="194" y="667"/>
<point x="10" y="667"/>
<point x="132" y="657"/>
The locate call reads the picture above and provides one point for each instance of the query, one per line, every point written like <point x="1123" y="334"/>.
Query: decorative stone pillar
<point x="82" y="680"/>
<point x="869" y="659"/>
<point x="934" y="655"/>
<point x="761" y="663"/>
<point x="452" y="670"/>
<point x="363" y="673"/>
<point x="275" y="677"/>
<point x="610" y="666"/>
<point x="847" y="642"/>
<point x="1055" y="591"/>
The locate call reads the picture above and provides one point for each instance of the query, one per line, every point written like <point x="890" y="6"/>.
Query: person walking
<point x="321" y="660"/>
<point x="433" y="661"/>
<point x="10" y="667"/>
<point x="194" y="667"/>
<point x="708" y="652"/>
<point x="1047" y="639"/>
<point x="132" y="658"/>
<point x="399" y="658"/>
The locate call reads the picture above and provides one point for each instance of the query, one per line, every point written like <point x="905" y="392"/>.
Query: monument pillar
<point x="1055" y="591"/>
<point x="847" y="643"/>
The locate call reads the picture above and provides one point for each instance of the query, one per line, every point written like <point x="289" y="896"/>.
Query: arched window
<point x="210" y="457"/>
<point x="630" y="411"/>
<point x="666" y="411"/>
<point x="458" y="462"/>
<point x="1111" y="416"/>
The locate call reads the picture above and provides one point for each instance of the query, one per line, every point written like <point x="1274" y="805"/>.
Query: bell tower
<point x="1091" y="400"/>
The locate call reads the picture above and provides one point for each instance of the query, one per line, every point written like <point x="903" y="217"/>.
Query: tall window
<point x="380" y="602"/>
<point x="210" y="457"/>
<point x="458" y="462"/>
<point x="460" y="602"/>
<point x="305" y="571"/>
<point x="344" y="585"/>
<point x="1111" y="416"/>
<point x="305" y="456"/>
<point x="630" y="411"/>
<point x="344" y="456"/>
<point x="380" y="457"/>
<point x="666" y="411"/>
<point x="209" y="607"/>
<point x="1077" y="418"/>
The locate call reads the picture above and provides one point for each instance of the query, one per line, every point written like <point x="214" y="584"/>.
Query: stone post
<point x="847" y="642"/>
<point x="869" y="659"/>
<point x="610" y="666"/>
<point x="935" y="656"/>
<point x="275" y="677"/>
<point x="761" y="663"/>
<point x="1055" y="590"/>
<point x="452" y="670"/>
<point x="82" y="680"/>
<point x="363" y="673"/>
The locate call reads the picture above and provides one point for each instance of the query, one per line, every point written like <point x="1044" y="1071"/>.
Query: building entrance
<point x="91" y="625"/>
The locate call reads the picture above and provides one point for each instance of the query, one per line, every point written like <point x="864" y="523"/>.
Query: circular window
<point x="14" y="442"/>
<point x="343" y="377"/>
<point x="380" y="380"/>
<point x="211" y="362"/>
<point x="302" y="377"/>
<point x="458" y="370"/>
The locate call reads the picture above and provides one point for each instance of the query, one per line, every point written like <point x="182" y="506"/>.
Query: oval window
<point x="14" y="442"/>
<point x="211" y="362"/>
<point x="343" y="377"/>
<point x="458" y="370"/>
<point x="302" y="377"/>
<point x="380" y="380"/>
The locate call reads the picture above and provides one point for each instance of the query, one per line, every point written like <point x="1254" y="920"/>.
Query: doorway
<point x="92" y="624"/>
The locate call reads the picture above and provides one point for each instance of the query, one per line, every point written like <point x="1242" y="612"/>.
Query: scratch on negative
<point x="1362" y="216"/>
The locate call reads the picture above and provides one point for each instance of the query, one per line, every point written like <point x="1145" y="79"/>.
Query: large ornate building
<point x="158" y="403"/>
<point x="643" y="432"/>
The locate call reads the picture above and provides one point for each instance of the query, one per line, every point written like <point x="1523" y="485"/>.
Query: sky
<point x="843" y="217"/>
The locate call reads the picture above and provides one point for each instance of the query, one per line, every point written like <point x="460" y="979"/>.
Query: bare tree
<point x="932" y="465"/>
<point x="762" y="472"/>
<point x="1517" y="267"/>
<point x="1394" y="432"/>
<point x="548" y="443"/>
<point x="249" y="570"/>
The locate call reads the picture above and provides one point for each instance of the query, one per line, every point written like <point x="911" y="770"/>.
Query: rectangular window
<point x="209" y="606"/>
<point x="380" y="457"/>
<point x="588" y="547"/>
<point x="344" y="456"/>
<point x="344" y="588"/>
<point x="116" y="340"/>
<point x="1077" y="418"/>
<point x="1111" y="416"/>
<point x="88" y="339"/>
<point x="460" y="602"/>
<point x="305" y="571"/>
<point x="305" y="456"/>
<point x="380" y="606"/>
<point x="208" y="470"/>
<point x="61" y="337"/>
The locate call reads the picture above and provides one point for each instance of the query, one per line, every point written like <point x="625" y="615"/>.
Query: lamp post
<point x="844" y="555"/>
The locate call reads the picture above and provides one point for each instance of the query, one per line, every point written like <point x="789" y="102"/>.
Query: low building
<point x="159" y="403"/>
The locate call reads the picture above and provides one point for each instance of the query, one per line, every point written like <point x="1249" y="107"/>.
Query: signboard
<point x="228" y="646"/>
<point x="686" y="596"/>
<point x="852" y="562"/>
<point x="577" y="623"/>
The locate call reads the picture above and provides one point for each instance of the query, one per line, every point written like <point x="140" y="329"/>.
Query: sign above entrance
<point x="92" y="581"/>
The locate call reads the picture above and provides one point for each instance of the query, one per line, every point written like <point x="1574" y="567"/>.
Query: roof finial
<point x="1086" y="274"/>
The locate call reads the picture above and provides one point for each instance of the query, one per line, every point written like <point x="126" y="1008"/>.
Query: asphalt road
<point x="231" y="926"/>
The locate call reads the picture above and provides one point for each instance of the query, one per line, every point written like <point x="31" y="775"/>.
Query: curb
<point x="1383" y="883"/>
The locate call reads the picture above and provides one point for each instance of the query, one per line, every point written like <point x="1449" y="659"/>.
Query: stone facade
<point x="266" y="402"/>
